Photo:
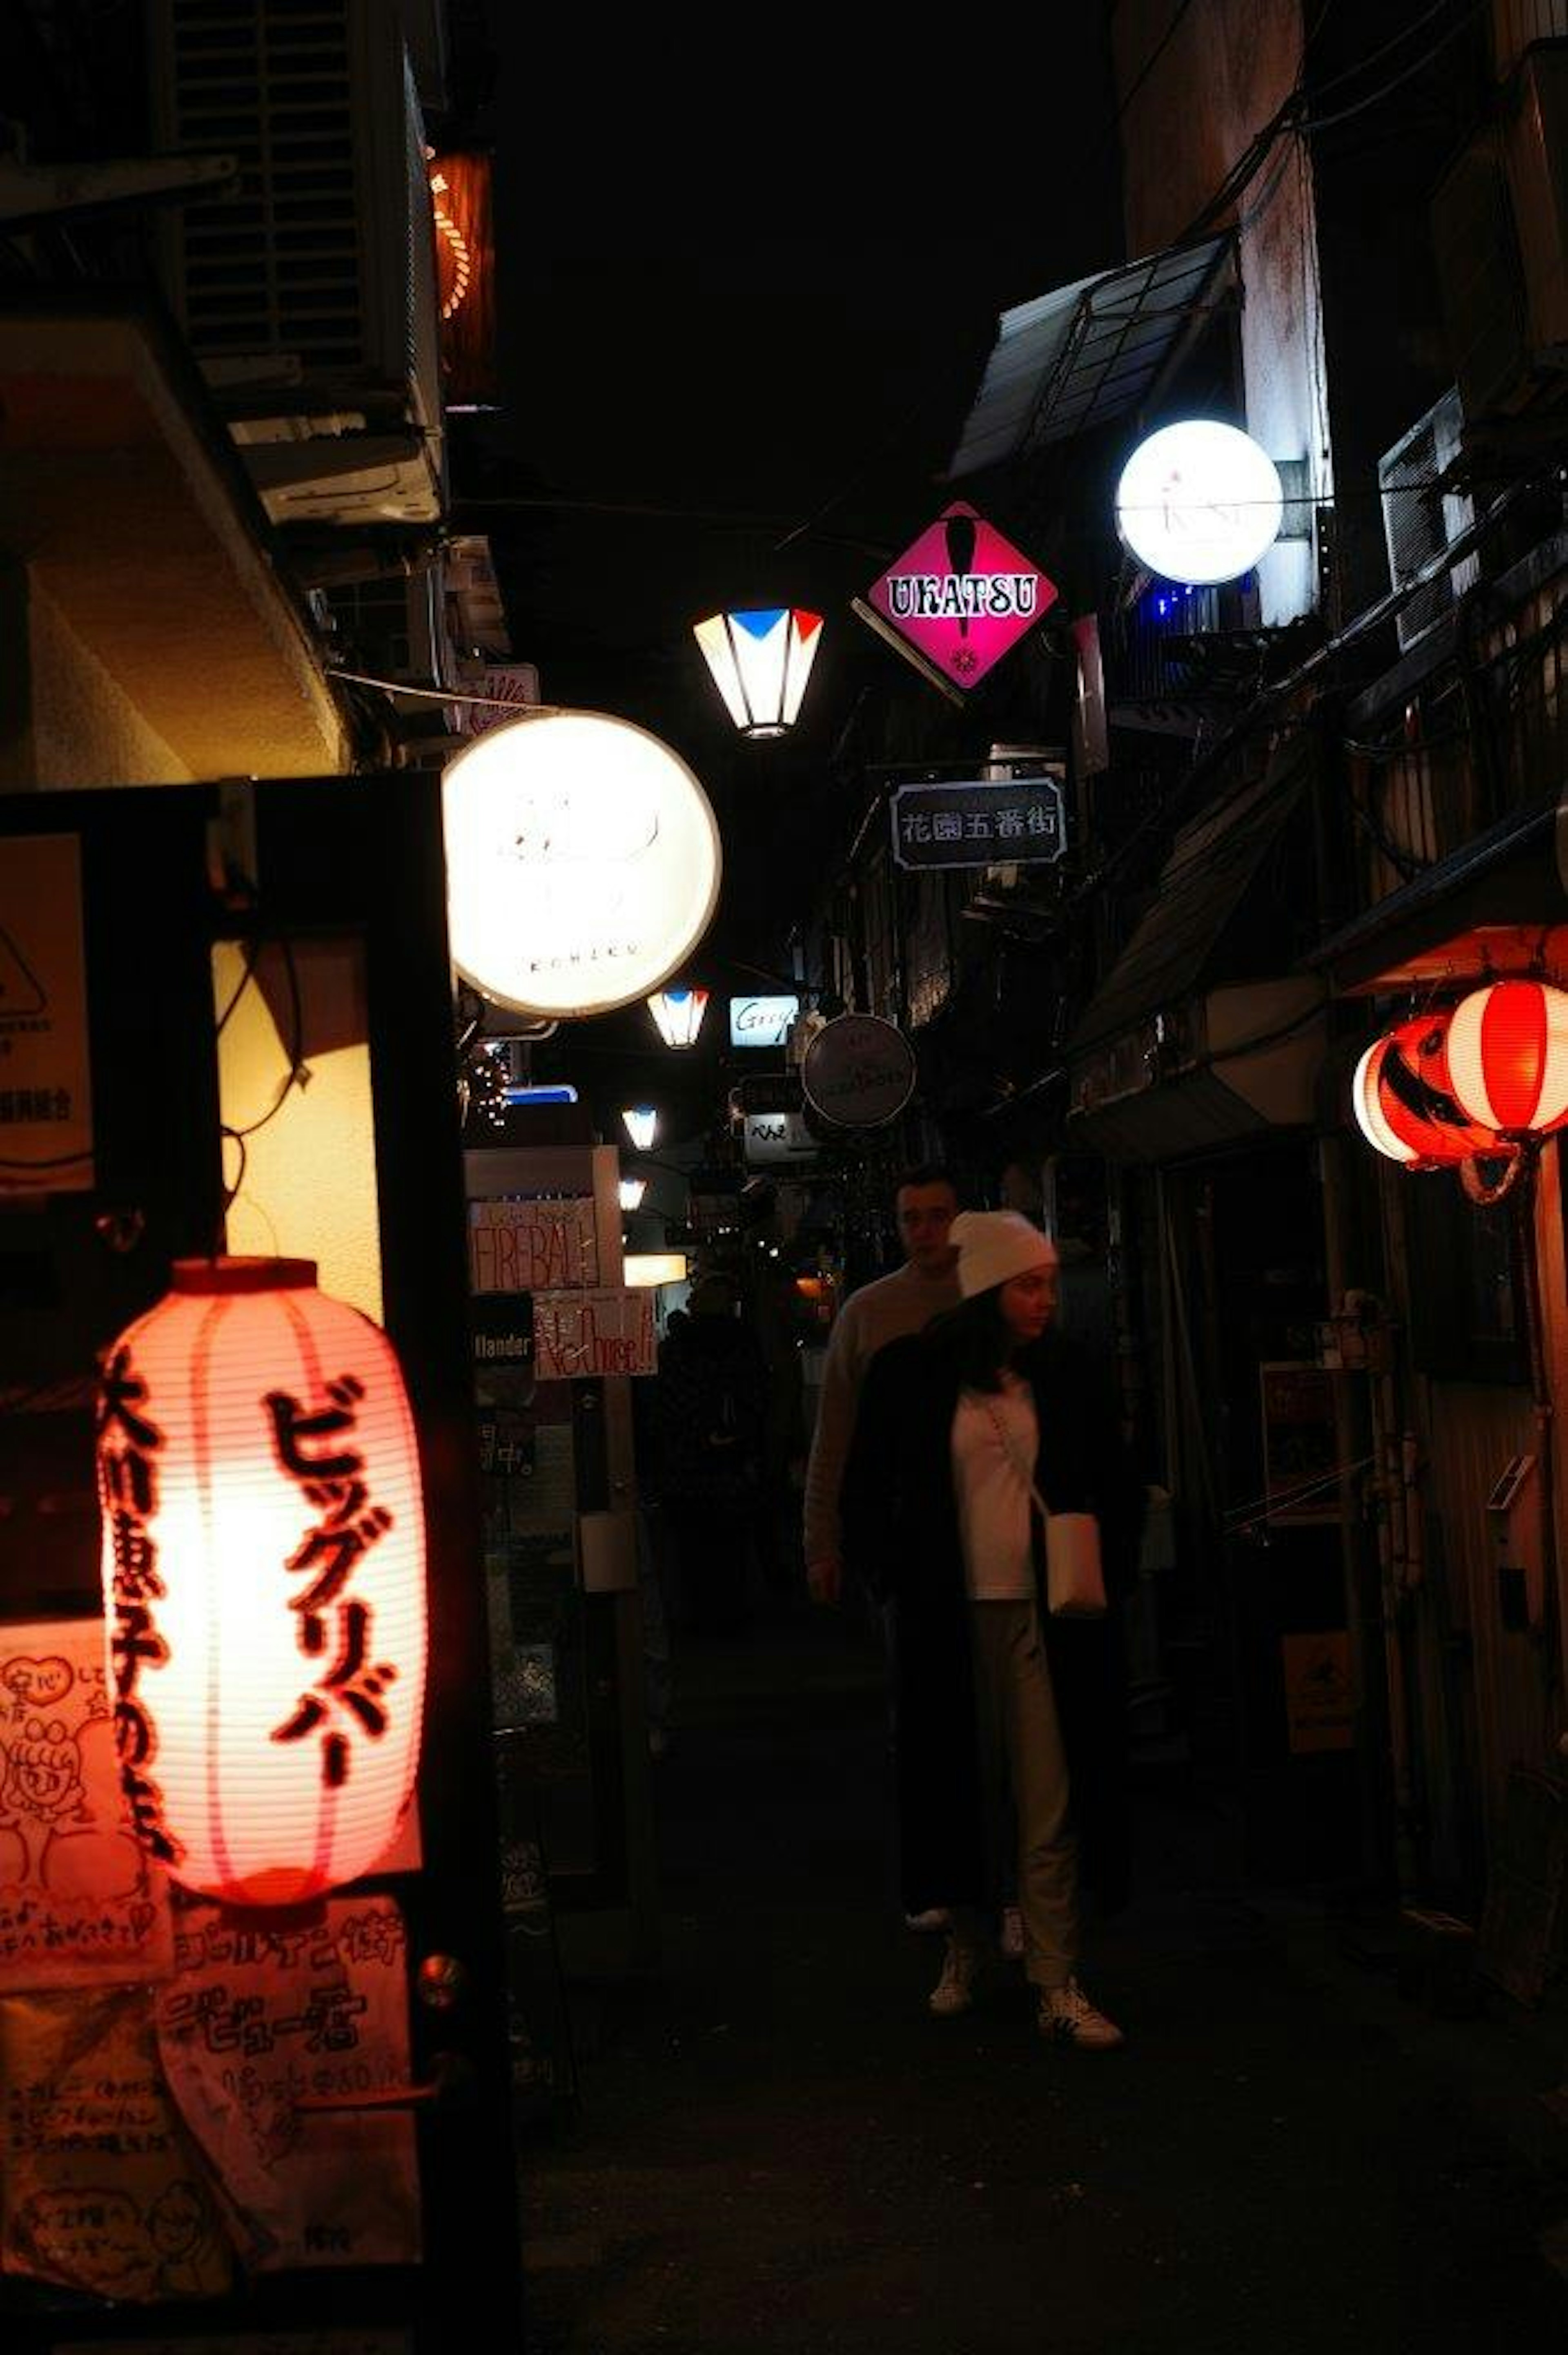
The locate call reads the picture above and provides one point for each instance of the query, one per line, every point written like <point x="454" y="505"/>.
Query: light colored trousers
<point x="1020" y="1752"/>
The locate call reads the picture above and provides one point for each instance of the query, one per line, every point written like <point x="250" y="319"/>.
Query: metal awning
<point x="1089" y="352"/>
<point x="1496" y="905"/>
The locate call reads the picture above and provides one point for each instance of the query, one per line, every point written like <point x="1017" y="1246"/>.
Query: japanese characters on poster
<point x="101" y="2188"/>
<point x="524" y="1245"/>
<point x="82" y="1904"/>
<point x="270" y="2037"/>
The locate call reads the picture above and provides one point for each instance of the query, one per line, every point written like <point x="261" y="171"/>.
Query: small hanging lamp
<point x="263" y="1582"/>
<point x="678" y="1015"/>
<point x="1508" y="1052"/>
<point x="640" y="1122"/>
<point x="631" y="1192"/>
<point x="760" y="660"/>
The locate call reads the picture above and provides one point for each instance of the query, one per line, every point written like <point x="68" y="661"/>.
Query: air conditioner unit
<point x="1420" y="520"/>
<point x="309" y="294"/>
<point x="1499" y="224"/>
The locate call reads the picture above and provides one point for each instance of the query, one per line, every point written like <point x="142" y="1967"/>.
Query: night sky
<point x="738" y="343"/>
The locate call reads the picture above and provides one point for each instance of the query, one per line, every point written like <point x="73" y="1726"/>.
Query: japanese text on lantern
<point x="128" y="1443"/>
<point x="330" y="1478"/>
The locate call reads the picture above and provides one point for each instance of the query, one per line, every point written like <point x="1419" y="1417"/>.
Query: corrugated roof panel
<point x="1082" y="354"/>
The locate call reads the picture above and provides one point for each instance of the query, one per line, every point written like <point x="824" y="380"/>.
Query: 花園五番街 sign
<point x="976" y="822"/>
<point x="960" y="597"/>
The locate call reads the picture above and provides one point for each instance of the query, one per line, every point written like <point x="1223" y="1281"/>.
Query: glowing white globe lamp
<point x="1199" y="502"/>
<point x="582" y="863"/>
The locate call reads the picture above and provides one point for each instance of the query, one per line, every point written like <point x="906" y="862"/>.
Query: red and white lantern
<point x="263" y="1580"/>
<point x="1405" y="1103"/>
<point x="1508" y="1053"/>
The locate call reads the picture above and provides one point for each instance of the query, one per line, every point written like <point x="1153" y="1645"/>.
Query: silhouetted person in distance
<point x="712" y="1399"/>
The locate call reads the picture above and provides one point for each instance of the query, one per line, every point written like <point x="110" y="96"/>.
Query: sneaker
<point x="955" y="1990"/>
<point x="1068" y="2017"/>
<point x="1011" y="1941"/>
<point x="936" y="1917"/>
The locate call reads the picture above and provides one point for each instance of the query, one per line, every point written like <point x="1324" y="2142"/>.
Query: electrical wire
<point x="1311" y="125"/>
<point x="1151" y="60"/>
<point x="447" y="693"/>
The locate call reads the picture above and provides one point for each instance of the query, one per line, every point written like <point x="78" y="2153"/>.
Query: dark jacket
<point x="712" y="1399"/>
<point x="899" y="1516"/>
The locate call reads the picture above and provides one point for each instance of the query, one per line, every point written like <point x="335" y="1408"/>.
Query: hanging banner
<point x="100" y="2189"/>
<point x="533" y="1246"/>
<point x="46" y="1086"/>
<point x="81" y="1902"/>
<point x="957" y="598"/>
<point x="276" y="2036"/>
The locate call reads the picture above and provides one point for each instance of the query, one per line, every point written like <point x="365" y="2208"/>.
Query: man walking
<point x="924" y="1206"/>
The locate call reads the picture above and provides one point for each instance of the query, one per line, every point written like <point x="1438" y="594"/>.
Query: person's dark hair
<point x="976" y="1334"/>
<point x="927" y="1172"/>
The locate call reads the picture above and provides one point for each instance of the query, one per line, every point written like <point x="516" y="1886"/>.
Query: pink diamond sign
<point x="961" y="596"/>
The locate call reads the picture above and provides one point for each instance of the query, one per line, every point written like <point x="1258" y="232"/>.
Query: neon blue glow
<point x="553" y="1095"/>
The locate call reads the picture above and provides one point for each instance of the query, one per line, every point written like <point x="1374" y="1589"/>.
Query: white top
<point x="992" y="1490"/>
<point x="880" y="1312"/>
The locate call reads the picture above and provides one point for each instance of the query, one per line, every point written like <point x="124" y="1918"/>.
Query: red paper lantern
<point x="1405" y="1100"/>
<point x="263" y="1580"/>
<point x="1508" y="1052"/>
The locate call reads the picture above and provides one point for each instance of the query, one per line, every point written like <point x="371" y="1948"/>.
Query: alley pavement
<point x="774" y="2148"/>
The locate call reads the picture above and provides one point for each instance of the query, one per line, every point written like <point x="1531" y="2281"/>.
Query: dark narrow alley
<point x="775" y="2147"/>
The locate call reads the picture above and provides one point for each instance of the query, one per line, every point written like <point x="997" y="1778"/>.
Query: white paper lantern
<point x="263" y="1580"/>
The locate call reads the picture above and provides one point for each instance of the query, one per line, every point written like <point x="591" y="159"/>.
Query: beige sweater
<point x="904" y="1301"/>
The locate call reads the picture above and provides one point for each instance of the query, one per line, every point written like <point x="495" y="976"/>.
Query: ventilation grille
<point x="276" y="270"/>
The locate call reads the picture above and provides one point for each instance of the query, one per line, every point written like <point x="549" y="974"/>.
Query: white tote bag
<point x="1074" y="1578"/>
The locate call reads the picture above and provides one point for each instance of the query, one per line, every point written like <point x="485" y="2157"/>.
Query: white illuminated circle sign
<point x="1199" y="502"/>
<point x="582" y="862"/>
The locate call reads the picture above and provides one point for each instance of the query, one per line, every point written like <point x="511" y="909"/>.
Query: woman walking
<point x="995" y="1698"/>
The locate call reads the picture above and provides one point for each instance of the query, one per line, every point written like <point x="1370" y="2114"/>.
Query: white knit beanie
<point x="994" y="1245"/>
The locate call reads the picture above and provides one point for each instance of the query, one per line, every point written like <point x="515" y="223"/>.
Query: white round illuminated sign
<point x="582" y="863"/>
<point x="858" y="1071"/>
<point x="1199" y="502"/>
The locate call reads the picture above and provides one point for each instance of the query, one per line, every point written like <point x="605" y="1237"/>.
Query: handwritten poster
<point x="271" y="2036"/>
<point x="46" y="1094"/>
<point x="578" y="1335"/>
<point x="529" y="1246"/>
<point x="82" y="1904"/>
<point x="100" y="2189"/>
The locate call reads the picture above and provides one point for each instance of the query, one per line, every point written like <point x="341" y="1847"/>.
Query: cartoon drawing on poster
<point x="100" y="2189"/>
<point x="270" y="2034"/>
<point x="82" y="1904"/>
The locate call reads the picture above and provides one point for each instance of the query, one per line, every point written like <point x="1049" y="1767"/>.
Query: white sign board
<point x="774" y="1136"/>
<point x="858" y="1071"/>
<point x="761" y="1021"/>
<point x="532" y="1246"/>
<point x="578" y="1335"/>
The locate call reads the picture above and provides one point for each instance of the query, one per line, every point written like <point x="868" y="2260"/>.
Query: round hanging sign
<point x="858" y="1071"/>
<point x="1199" y="502"/>
<point x="582" y="862"/>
